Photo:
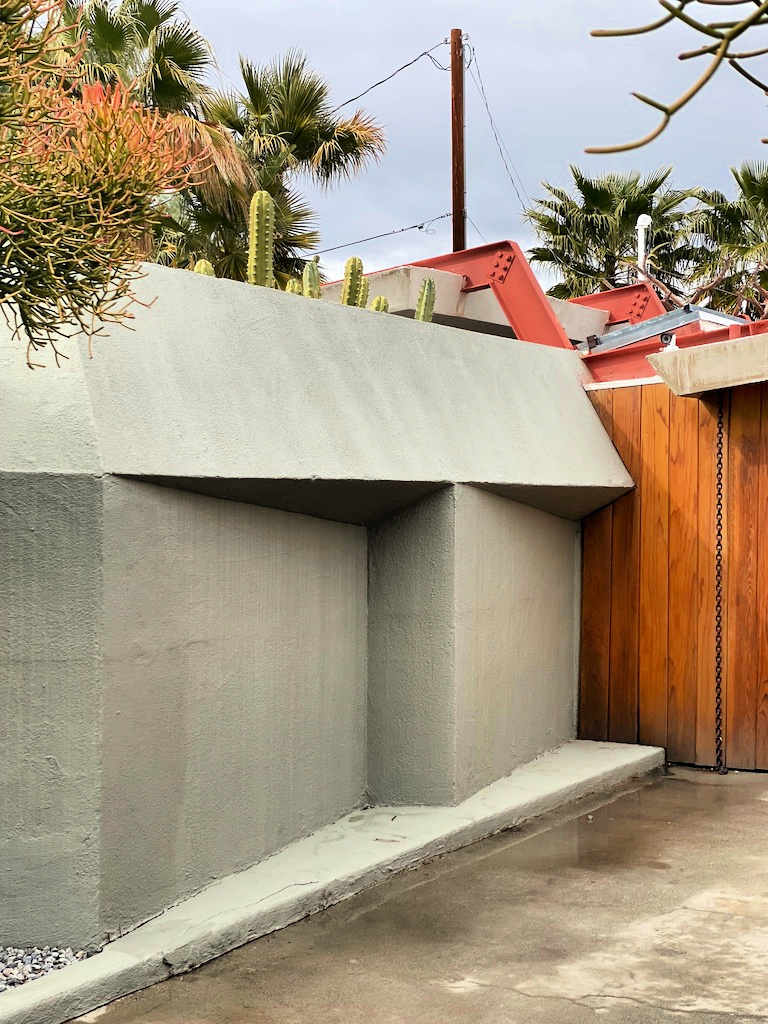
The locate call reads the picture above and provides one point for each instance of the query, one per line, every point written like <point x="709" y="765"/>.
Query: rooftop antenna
<point x="458" y="186"/>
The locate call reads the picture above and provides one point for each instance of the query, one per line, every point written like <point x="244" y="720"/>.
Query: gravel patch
<point x="18" y="966"/>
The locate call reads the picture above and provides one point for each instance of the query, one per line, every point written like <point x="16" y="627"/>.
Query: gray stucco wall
<point x="182" y="692"/>
<point x="516" y="587"/>
<point x="219" y="381"/>
<point x="472" y="640"/>
<point x="234" y="689"/>
<point x="50" y="706"/>
<point x="185" y="678"/>
<point x="411" y="720"/>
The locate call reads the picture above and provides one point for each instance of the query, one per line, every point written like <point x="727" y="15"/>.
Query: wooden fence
<point x="648" y="600"/>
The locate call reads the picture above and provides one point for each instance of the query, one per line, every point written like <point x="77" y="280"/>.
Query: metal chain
<point x="719" y="753"/>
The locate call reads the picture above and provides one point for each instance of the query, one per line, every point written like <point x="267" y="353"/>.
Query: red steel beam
<point x="630" y="304"/>
<point x="502" y="267"/>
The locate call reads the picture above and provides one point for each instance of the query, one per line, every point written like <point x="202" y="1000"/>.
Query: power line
<point x="397" y="231"/>
<point x="508" y="165"/>
<point x="500" y="137"/>
<point x="477" y="229"/>
<point x="426" y="53"/>
<point x="506" y="156"/>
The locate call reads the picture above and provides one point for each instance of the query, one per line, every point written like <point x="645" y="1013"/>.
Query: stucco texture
<point x="183" y="693"/>
<point x="219" y="381"/>
<point x="516" y="596"/>
<point x="50" y="706"/>
<point x="234" y="688"/>
<point x="472" y="644"/>
<point x="190" y="683"/>
<point x="411" y="654"/>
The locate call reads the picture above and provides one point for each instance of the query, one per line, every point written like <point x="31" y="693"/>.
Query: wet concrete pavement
<point x="650" y="907"/>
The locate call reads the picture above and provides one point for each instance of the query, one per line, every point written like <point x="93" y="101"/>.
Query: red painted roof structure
<point x="503" y="267"/>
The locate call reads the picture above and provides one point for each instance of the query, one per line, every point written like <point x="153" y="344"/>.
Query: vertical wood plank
<point x="603" y="402"/>
<point x="742" y="655"/>
<point x="705" y="586"/>
<point x="654" y="565"/>
<point x="683" y="579"/>
<point x="761" y="726"/>
<point x="596" y="606"/>
<point x="625" y="573"/>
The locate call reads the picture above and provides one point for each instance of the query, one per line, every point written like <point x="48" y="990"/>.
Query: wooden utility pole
<point x="458" y="188"/>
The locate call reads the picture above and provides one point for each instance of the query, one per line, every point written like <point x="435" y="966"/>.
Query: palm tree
<point x="144" y="45"/>
<point x="151" y="48"/>
<point x="285" y="129"/>
<point x="198" y="226"/>
<point x="731" y="266"/>
<point x="589" y="237"/>
<point x="285" y="123"/>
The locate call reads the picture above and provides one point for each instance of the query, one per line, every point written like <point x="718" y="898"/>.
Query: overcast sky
<point x="551" y="88"/>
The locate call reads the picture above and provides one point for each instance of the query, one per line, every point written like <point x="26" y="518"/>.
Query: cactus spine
<point x="294" y="287"/>
<point x="426" y="304"/>
<point x="380" y="305"/>
<point x="353" y="275"/>
<point x="261" y="240"/>
<point x="362" y="293"/>
<point x="311" y="280"/>
<point x="205" y="267"/>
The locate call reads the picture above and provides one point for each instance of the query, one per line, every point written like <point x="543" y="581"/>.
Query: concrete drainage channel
<point x="337" y="861"/>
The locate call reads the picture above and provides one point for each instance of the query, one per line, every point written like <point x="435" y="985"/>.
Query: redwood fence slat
<point x="705" y="590"/>
<point x="654" y="564"/>
<point x="761" y="724"/>
<point x="596" y="606"/>
<point x="648" y="615"/>
<point x="683" y="577"/>
<point x="625" y="575"/>
<point x="742" y="659"/>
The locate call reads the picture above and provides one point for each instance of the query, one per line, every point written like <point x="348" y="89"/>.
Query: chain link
<point x="719" y="752"/>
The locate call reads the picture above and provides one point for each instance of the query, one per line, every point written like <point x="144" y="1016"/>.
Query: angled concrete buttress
<point x="191" y="683"/>
<point x="467" y="626"/>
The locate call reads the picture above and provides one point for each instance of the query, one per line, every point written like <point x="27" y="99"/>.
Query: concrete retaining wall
<point x="191" y="683"/>
<point x="183" y="693"/>
<point x="472" y="644"/>
<point x="50" y="706"/>
<point x="517" y="577"/>
<point x="234" y="700"/>
<point x="411" y="655"/>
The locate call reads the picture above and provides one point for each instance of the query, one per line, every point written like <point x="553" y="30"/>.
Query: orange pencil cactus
<point x="81" y="169"/>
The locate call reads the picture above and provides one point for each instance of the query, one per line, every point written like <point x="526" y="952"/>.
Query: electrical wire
<point x="507" y="162"/>
<point x="506" y="156"/>
<point x="423" y="226"/>
<point x="477" y="229"/>
<point x="503" y="143"/>
<point x="425" y="53"/>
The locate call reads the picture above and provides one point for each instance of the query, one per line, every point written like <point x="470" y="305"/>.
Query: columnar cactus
<point x="426" y="302"/>
<point x="261" y="240"/>
<point x="362" y="293"/>
<point x="353" y="275"/>
<point x="380" y="304"/>
<point x="294" y="287"/>
<point x="311" y="280"/>
<point x="205" y="267"/>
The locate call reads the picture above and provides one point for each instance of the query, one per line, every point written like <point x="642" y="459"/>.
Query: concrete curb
<point x="339" y="860"/>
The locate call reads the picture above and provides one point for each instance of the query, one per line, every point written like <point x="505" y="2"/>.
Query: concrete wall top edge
<point x="219" y="379"/>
